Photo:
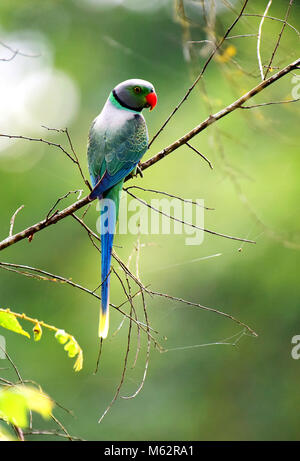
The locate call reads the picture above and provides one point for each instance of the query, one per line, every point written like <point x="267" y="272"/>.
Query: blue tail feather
<point x="108" y="222"/>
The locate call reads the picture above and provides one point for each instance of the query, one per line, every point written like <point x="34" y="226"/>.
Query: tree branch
<point x="30" y="231"/>
<point x="222" y="113"/>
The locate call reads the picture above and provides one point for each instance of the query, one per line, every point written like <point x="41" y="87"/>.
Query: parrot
<point x="118" y="138"/>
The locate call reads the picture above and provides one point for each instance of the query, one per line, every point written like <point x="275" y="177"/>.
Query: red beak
<point x="151" y="99"/>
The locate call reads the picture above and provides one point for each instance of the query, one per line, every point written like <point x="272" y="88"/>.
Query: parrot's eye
<point x="137" y="89"/>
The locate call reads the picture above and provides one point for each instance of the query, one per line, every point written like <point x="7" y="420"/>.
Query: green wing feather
<point x="116" y="151"/>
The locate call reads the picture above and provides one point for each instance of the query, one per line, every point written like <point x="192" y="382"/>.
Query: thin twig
<point x="53" y="278"/>
<point x="62" y="427"/>
<point x="201" y="73"/>
<point x="216" y="311"/>
<point x="99" y="355"/>
<point x="44" y="141"/>
<point x="53" y="433"/>
<point x="12" y="221"/>
<point x="147" y="356"/>
<point x="62" y="198"/>
<point x="168" y="195"/>
<point x="270" y="103"/>
<point x="122" y="375"/>
<point x="199" y="153"/>
<point x="188" y="224"/>
<point x="217" y="116"/>
<point x="259" y="39"/>
<point x="279" y="38"/>
<point x="15" y="51"/>
<point x="10" y="58"/>
<point x="274" y="19"/>
<point x="114" y="255"/>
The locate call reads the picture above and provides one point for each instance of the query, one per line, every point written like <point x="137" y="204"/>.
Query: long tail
<point x="108" y="217"/>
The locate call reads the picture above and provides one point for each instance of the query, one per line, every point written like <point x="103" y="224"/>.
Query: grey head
<point x="135" y="94"/>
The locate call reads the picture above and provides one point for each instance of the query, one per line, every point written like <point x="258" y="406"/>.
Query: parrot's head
<point x="135" y="94"/>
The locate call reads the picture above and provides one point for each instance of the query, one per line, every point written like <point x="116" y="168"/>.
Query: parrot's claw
<point x="137" y="171"/>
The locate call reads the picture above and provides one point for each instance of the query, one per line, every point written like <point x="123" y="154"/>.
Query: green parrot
<point x="118" y="139"/>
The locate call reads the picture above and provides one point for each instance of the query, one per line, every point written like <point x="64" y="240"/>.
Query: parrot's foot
<point x="137" y="171"/>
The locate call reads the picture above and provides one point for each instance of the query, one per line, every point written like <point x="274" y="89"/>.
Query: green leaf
<point x="37" y="401"/>
<point x="10" y="322"/>
<point x="5" y="436"/>
<point x="72" y="348"/>
<point x="17" y="401"/>
<point x="61" y="336"/>
<point x="13" y="408"/>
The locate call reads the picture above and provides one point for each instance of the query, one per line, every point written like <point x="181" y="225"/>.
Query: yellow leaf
<point x="37" y="331"/>
<point x="79" y="361"/>
<point x="226" y="56"/>
<point x="72" y="347"/>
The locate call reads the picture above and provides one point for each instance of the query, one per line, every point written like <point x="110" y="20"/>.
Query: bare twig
<point x="259" y="39"/>
<point x="114" y="255"/>
<point x="274" y="19"/>
<point x="189" y="303"/>
<point x="201" y="73"/>
<point x="147" y="355"/>
<point x="168" y="195"/>
<point x="122" y="375"/>
<point x="14" y="54"/>
<point x="227" y="38"/>
<point x="17" y="429"/>
<point x="217" y="116"/>
<point x="62" y="427"/>
<point x="279" y="37"/>
<point x="186" y="223"/>
<point x="53" y="433"/>
<point x="270" y="103"/>
<point x="44" y="141"/>
<point x="76" y="159"/>
<point x="12" y="221"/>
<point x="79" y="191"/>
<point x="47" y="276"/>
<point x="44" y="223"/>
<point x="17" y="52"/>
<point x="199" y="153"/>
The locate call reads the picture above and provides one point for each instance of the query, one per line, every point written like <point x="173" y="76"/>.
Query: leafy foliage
<point x="17" y="401"/>
<point x="9" y="320"/>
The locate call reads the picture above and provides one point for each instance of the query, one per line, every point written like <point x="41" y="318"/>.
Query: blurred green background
<point x="218" y="392"/>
